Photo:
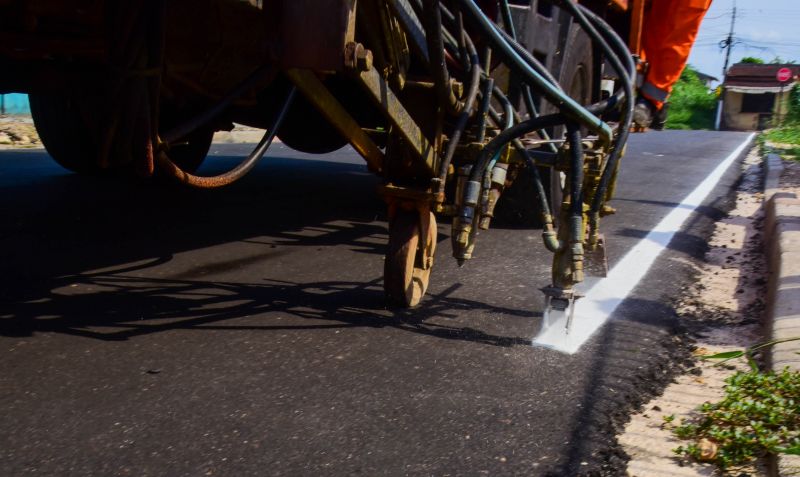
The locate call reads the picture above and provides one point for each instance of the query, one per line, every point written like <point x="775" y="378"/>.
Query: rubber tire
<point x="404" y="280"/>
<point x="64" y="133"/>
<point x="68" y="140"/>
<point x="191" y="153"/>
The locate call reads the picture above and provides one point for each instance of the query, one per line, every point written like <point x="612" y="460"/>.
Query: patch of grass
<point x="784" y="141"/>
<point x="759" y="415"/>
<point x="787" y="135"/>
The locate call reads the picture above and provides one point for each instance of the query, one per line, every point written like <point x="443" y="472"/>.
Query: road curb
<point x="782" y="238"/>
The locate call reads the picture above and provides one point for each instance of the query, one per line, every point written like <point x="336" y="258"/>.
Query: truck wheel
<point x="69" y="140"/>
<point x="63" y="132"/>
<point x="190" y="152"/>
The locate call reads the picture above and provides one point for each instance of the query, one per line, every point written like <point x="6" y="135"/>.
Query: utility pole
<point x="727" y="43"/>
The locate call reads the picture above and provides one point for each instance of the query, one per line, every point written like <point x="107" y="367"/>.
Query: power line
<point x="728" y="42"/>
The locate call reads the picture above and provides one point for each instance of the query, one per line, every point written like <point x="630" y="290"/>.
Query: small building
<point x="14" y="103"/>
<point x="707" y="80"/>
<point x="753" y="98"/>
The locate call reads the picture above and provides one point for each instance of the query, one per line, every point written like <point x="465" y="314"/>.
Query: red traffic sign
<point x="783" y="75"/>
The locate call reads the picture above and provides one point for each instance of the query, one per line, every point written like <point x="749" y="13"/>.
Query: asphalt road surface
<point x="149" y="330"/>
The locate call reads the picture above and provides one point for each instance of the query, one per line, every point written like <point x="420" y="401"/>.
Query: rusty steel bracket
<point x="382" y="95"/>
<point x="318" y="95"/>
<point x="415" y="32"/>
<point x="411" y="199"/>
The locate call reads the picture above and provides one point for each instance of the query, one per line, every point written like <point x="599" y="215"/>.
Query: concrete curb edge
<point x="782" y="240"/>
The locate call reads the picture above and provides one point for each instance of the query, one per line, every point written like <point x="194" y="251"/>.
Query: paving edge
<point x="782" y="239"/>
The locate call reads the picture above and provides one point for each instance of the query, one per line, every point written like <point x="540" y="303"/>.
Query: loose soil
<point x="18" y="131"/>
<point x="722" y="311"/>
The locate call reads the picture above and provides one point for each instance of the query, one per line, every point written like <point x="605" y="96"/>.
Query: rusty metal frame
<point x="383" y="96"/>
<point x="316" y="93"/>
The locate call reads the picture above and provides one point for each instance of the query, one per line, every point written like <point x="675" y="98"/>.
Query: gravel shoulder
<point x="722" y="311"/>
<point x="18" y="132"/>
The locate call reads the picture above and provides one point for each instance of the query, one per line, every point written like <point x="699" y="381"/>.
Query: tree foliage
<point x="752" y="60"/>
<point x="793" y="115"/>
<point x="691" y="105"/>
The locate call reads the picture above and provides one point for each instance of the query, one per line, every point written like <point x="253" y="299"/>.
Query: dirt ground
<point x="723" y="312"/>
<point x="18" y="131"/>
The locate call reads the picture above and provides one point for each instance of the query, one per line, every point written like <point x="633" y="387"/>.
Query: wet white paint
<point x="602" y="296"/>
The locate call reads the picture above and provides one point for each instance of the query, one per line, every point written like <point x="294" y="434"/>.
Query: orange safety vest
<point x="670" y="28"/>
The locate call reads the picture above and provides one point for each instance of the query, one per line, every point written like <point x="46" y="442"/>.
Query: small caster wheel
<point x="409" y="260"/>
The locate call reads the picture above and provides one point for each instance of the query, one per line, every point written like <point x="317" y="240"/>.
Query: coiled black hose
<point x="622" y="50"/>
<point x="501" y="140"/>
<point x="516" y="62"/>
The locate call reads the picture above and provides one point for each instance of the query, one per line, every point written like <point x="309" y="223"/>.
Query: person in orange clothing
<point x="669" y="30"/>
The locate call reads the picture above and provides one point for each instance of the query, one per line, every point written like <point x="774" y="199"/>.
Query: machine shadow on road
<point x="132" y="232"/>
<point x="120" y="307"/>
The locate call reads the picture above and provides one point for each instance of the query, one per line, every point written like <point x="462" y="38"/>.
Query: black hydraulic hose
<point x="435" y="38"/>
<point x="611" y="36"/>
<point x="510" y="36"/>
<point x="534" y="113"/>
<point x="505" y="10"/>
<point x="544" y="204"/>
<point x="576" y="170"/>
<point x="531" y="60"/>
<point x="607" y="104"/>
<point x="250" y="82"/>
<point x="550" y="91"/>
<point x="462" y="43"/>
<point x="463" y="117"/>
<point x="525" y="88"/>
<point x="508" y="135"/>
<point x="531" y="164"/>
<point x="508" y="109"/>
<point x="549" y="236"/>
<point x="616" y="152"/>
<point x="622" y="51"/>
<point x="239" y="171"/>
<point x="485" y="106"/>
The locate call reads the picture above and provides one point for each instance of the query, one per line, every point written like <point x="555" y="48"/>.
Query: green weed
<point x="691" y="104"/>
<point x="759" y="415"/>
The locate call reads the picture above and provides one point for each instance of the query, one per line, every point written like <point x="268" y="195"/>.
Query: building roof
<point x="749" y="75"/>
<point x="706" y="78"/>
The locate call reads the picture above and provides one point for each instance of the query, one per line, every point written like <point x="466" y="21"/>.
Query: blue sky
<point x="764" y="28"/>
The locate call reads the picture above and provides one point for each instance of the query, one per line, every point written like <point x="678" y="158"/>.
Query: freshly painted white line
<point x="604" y="295"/>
